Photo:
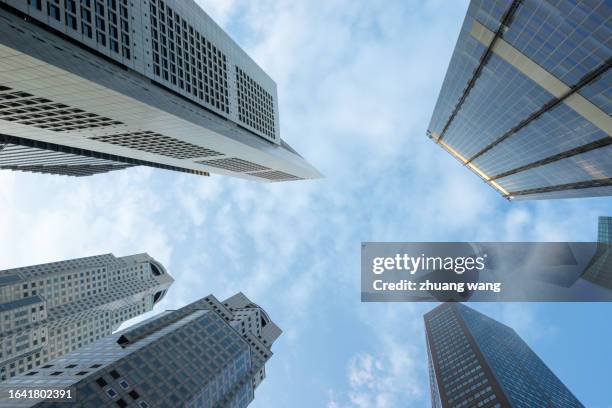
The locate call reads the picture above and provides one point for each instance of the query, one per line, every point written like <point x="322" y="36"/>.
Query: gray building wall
<point x="175" y="43"/>
<point x="35" y="160"/>
<point x="145" y="82"/>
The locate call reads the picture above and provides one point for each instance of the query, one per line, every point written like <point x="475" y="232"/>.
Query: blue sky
<point x="357" y="83"/>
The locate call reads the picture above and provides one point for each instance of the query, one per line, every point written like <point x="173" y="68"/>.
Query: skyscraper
<point x="52" y="309"/>
<point x="206" y="354"/>
<point x="526" y="100"/>
<point x="604" y="230"/>
<point x="93" y="86"/>
<point x="599" y="270"/>
<point x="475" y="361"/>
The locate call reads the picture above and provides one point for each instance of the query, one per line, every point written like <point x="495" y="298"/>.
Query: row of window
<point x="184" y="58"/>
<point x="105" y="21"/>
<point x="255" y="104"/>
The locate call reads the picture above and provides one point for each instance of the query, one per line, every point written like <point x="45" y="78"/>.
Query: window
<point x="111" y="393"/>
<point x="255" y="105"/>
<point x="121" y="403"/>
<point x="114" y="374"/>
<point x="56" y="372"/>
<point x="200" y="65"/>
<point x="57" y="117"/>
<point x="234" y="164"/>
<point x="101" y="382"/>
<point x="158" y="144"/>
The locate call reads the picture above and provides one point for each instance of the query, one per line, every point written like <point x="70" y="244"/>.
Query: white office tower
<point x="52" y="309"/>
<point x="92" y="86"/>
<point x="207" y="354"/>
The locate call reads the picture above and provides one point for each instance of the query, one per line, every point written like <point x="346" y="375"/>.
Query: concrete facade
<point x="206" y="354"/>
<point x="148" y="80"/>
<point x="52" y="309"/>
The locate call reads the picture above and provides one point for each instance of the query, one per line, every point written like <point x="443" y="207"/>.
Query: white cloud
<point x="48" y="218"/>
<point x="356" y="82"/>
<point x="394" y="371"/>
<point x="523" y="318"/>
<point x="381" y="381"/>
<point x="219" y="10"/>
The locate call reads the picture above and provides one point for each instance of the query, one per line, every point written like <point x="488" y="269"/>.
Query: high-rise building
<point x="475" y="361"/>
<point x="604" y="230"/>
<point x="92" y="86"/>
<point x="526" y="101"/>
<point x="599" y="270"/>
<point x="52" y="309"/>
<point x="206" y="354"/>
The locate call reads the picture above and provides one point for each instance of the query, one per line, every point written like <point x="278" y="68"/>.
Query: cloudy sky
<point x="357" y="83"/>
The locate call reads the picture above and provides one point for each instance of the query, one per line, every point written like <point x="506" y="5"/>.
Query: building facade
<point x="475" y="361"/>
<point x="206" y="354"/>
<point x="140" y="82"/>
<point x="604" y="230"/>
<point x="526" y="100"/>
<point x="599" y="270"/>
<point x="52" y="309"/>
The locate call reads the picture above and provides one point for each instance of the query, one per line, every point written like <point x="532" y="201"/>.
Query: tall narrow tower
<point x="475" y="361"/>
<point x="52" y="309"/>
<point x="206" y="354"/>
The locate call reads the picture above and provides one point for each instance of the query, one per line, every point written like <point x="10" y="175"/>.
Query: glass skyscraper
<point x="527" y="97"/>
<point x="88" y="87"/>
<point x="599" y="270"/>
<point x="51" y="309"/>
<point x="208" y="354"/>
<point x="475" y="361"/>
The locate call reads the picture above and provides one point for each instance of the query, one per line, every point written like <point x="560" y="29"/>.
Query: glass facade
<point x="458" y="374"/>
<point x="479" y="362"/>
<point x="526" y="101"/>
<point x="524" y="377"/>
<point x="604" y="231"/>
